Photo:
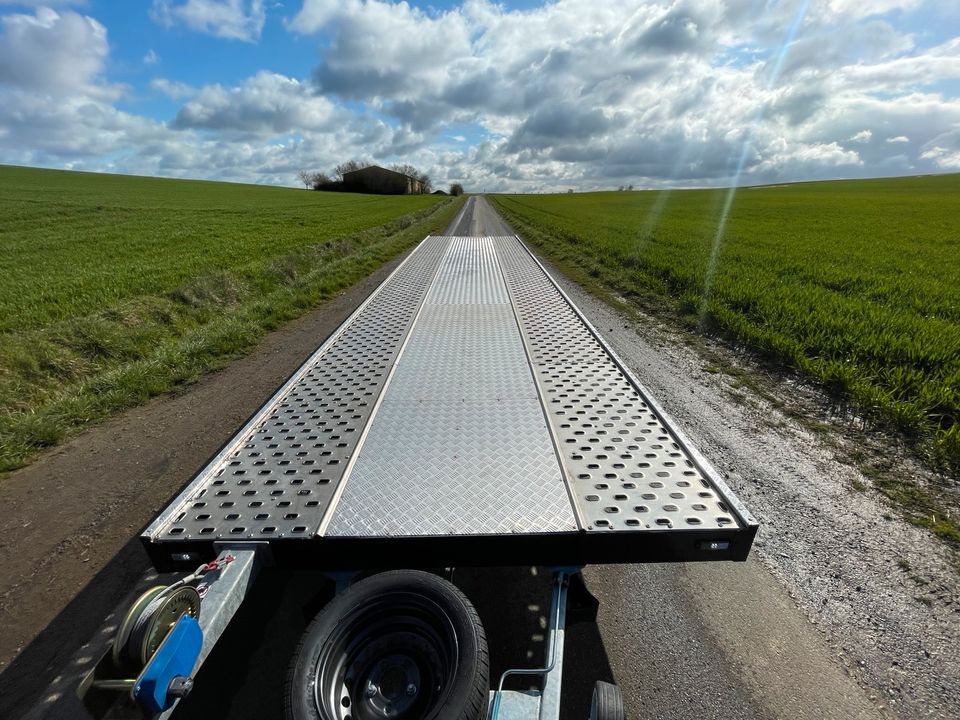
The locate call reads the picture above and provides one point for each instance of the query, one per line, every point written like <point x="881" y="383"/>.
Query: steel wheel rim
<point x="392" y="658"/>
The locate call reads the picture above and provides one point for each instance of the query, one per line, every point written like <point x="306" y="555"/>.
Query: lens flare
<point x="741" y="162"/>
<point x="659" y="203"/>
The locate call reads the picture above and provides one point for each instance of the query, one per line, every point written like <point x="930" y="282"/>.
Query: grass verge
<point x="58" y="379"/>
<point x="854" y="284"/>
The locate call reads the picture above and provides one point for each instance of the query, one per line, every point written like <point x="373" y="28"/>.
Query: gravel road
<point x="841" y="611"/>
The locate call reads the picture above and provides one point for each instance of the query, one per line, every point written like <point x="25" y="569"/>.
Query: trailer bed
<point x="465" y="414"/>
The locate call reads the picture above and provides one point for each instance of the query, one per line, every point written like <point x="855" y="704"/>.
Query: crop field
<point x="853" y="283"/>
<point x="115" y="288"/>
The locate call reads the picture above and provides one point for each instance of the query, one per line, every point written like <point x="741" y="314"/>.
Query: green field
<point x="853" y="283"/>
<point x="114" y="288"/>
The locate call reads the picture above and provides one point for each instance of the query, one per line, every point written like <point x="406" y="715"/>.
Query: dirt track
<point x="821" y="622"/>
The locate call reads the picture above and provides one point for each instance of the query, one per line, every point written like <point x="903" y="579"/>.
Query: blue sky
<point x="500" y="96"/>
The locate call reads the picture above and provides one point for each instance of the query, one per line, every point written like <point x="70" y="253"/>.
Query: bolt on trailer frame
<point x="466" y="414"/>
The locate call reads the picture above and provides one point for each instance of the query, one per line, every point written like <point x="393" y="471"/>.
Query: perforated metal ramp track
<point x="626" y="467"/>
<point x="469" y="402"/>
<point x="275" y="479"/>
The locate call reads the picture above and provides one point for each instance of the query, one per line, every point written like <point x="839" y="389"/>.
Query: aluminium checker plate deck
<point x="466" y="413"/>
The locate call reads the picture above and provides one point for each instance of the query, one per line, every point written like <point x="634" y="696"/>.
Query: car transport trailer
<point x="466" y="414"/>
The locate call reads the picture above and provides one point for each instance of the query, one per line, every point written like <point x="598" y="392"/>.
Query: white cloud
<point x="316" y="14"/>
<point x="172" y="89"/>
<point x="905" y="72"/>
<point x="260" y="131"/>
<point x="266" y="104"/>
<point x="868" y="8"/>
<point x="944" y="150"/>
<point x="231" y="19"/>
<point x="53" y="52"/>
<point x="569" y="94"/>
<point x="151" y="58"/>
<point x="808" y="158"/>
<point x="898" y="139"/>
<point x="943" y="158"/>
<point x="382" y="49"/>
<point x="602" y="90"/>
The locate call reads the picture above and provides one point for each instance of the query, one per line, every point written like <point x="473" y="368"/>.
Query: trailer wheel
<point x="405" y="645"/>
<point x="607" y="702"/>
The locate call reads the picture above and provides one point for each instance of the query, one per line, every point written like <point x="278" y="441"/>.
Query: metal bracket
<point x="225" y="591"/>
<point x="507" y="705"/>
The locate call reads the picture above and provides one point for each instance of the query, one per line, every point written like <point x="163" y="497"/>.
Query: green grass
<point x="75" y="243"/>
<point x="114" y="289"/>
<point x="853" y="283"/>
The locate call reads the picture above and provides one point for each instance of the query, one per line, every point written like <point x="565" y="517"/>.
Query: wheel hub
<point x="392" y="686"/>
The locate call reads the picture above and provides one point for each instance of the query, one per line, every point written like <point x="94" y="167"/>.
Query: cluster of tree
<point x="411" y="171"/>
<point x="335" y="183"/>
<point x="456" y="189"/>
<point x="313" y="180"/>
<point x="322" y="181"/>
<point x="625" y="187"/>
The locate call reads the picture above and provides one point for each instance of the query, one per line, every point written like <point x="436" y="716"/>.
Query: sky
<point x="513" y="96"/>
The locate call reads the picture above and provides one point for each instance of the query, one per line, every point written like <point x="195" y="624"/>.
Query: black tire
<point x="607" y="702"/>
<point x="380" y="637"/>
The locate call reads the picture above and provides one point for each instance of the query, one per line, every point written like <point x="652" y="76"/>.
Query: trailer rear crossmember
<point x="466" y="399"/>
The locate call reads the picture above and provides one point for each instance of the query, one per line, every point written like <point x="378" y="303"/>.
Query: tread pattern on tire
<point x="608" y="702"/>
